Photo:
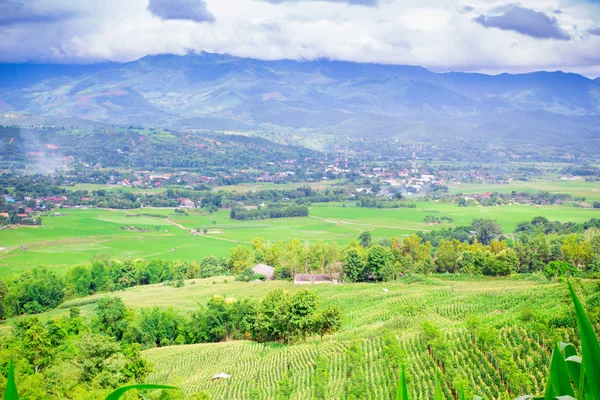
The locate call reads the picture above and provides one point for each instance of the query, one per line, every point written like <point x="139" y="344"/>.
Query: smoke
<point x="41" y="155"/>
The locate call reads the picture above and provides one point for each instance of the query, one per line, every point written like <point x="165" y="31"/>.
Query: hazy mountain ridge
<point x="220" y="92"/>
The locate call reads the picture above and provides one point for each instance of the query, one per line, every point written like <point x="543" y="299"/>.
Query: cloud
<point x="525" y="21"/>
<point x="436" y="35"/>
<point x="351" y="2"/>
<point x="193" y="10"/>
<point x="595" y="32"/>
<point x="19" y="12"/>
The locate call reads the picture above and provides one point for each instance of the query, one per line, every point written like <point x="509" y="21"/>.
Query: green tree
<point x="273" y="317"/>
<point x="377" y="258"/>
<point x="328" y="320"/>
<point x="94" y="350"/>
<point x="354" y="268"/>
<point x="241" y="258"/>
<point x="447" y="254"/>
<point x="486" y="229"/>
<point x="111" y="317"/>
<point x="365" y="238"/>
<point x="304" y="305"/>
<point x="35" y="343"/>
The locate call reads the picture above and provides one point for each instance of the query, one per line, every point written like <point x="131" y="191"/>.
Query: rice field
<point x="80" y="234"/>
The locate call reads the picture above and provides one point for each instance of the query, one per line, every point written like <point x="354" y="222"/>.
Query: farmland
<point x="576" y="188"/>
<point x="513" y="307"/>
<point x="79" y="234"/>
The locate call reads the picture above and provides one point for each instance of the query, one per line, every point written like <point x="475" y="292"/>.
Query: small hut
<point x="265" y="270"/>
<point x="313" y="279"/>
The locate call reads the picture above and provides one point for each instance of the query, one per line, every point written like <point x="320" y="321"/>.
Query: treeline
<point x="179" y="187"/>
<point x="39" y="290"/>
<point x="278" y="317"/>
<point x="69" y="357"/>
<point x="496" y="198"/>
<point x="271" y="211"/>
<point x="433" y="219"/>
<point x="552" y="248"/>
<point x="371" y="202"/>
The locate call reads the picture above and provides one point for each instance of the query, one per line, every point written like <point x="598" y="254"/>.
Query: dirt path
<point x="369" y="225"/>
<point x="177" y="225"/>
<point x="209" y="236"/>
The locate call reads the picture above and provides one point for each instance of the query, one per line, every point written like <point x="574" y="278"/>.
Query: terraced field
<point x="512" y="307"/>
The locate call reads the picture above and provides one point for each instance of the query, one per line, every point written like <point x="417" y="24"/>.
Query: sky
<point x="451" y="35"/>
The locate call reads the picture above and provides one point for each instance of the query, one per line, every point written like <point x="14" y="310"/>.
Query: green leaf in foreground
<point x="438" y="389"/>
<point x="11" y="387"/>
<point x="402" y="390"/>
<point x="121" y="391"/>
<point x="559" y="375"/>
<point x="590" y="348"/>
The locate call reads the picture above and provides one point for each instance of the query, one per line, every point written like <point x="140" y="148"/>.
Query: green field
<point x="92" y="186"/>
<point x="576" y="188"/>
<point x="82" y="233"/>
<point x="368" y="311"/>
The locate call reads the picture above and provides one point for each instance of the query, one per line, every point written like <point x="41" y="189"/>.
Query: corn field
<point x="495" y="339"/>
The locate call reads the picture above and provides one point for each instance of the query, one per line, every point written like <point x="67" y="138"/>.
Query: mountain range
<point x="226" y="93"/>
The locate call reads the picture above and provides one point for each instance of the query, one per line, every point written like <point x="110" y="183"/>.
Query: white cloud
<point x="437" y="35"/>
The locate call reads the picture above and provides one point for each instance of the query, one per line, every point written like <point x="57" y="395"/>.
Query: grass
<point x="81" y="233"/>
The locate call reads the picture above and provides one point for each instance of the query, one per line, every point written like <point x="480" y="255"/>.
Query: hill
<point x="221" y="92"/>
<point x="472" y="314"/>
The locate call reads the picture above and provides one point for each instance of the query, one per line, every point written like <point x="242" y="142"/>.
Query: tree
<point x="36" y="343"/>
<point x="111" y="316"/>
<point x="447" y="254"/>
<point x="486" y="229"/>
<point x="241" y="258"/>
<point x="93" y="351"/>
<point x="558" y="268"/>
<point x="354" y="267"/>
<point x="377" y="259"/>
<point x="328" y="320"/>
<point x="365" y="238"/>
<point x="80" y="279"/>
<point x="304" y="304"/>
<point x="273" y="317"/>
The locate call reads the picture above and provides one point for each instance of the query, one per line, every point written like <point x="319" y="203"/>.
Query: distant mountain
<point x="221" y="92"/>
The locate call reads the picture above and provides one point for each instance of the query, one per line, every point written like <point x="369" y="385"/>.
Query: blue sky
<point x="479" y="35"/>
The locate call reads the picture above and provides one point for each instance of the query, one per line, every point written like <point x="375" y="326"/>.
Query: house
<point x="265" y="270"/>
<point x="186" y="203"/>
<point x="309" y="279"/>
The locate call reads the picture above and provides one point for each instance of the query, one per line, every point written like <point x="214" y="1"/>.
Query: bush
<point x="248" y="275"/>
<point x="555" y="269"/>
<point x="282" y="273"/>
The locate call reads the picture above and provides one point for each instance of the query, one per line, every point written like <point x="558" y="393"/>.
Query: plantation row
<point x="501" y="352"/>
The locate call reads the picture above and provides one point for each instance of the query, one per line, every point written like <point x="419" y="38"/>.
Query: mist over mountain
<point x="226" y="93"/>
